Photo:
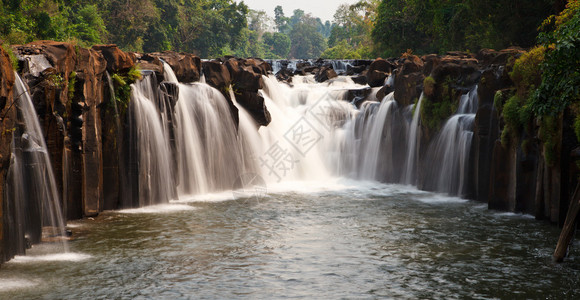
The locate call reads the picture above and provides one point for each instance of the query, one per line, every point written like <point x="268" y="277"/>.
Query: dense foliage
<point x="212" y="28"/>
<point x="437" y="26"/>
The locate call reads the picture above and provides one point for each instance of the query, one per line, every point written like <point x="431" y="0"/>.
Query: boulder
<point x="285" y="75"/>
<point x="488" y="57"/>
<point x="8" y="247"/>
<point x="187" y="67"/>
<point x="258" y="65"/>
<point x="152" y="63"/>
<point x="408" y="87"/>
<point x="378" y="72"/>
<point x="216" y="75"/>
<point x="324" y="74"/>
<point x="244" y="76"/>
<point x="361" y="79"/>
<point x="117" y="60"/>
<point x="254" y="104"/>
<point x="61" y="56"/>
<point x="351" y="70"/>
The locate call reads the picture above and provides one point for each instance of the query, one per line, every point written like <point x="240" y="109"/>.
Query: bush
<point x="429" y="86"/>
<point x="526" y="72"/>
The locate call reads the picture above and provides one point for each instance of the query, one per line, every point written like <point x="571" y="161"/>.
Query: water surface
<point x="351" y="240"/>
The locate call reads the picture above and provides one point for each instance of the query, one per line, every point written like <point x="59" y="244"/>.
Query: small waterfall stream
<point x="35" y="205"/>
<point x="450" y="151"/>
<point x="414" y="144"/>
<point x="149" y="155"/>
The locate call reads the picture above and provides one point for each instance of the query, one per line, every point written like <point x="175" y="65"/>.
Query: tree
<point x="281" y="21"/>
<point x="277" y="44"/>
<point x="307" y="42"/>
<point x="131" y="19"/>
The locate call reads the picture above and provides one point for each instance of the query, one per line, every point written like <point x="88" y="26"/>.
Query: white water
<point x="414" y="142"/>
<point x="450" y="150"/>
<point x="35" y="203"/>
<point x="154" y="177"/>
<point x="315" y="136"/>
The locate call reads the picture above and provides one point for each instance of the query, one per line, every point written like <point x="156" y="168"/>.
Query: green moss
<point x="548" y="135"/>
<point x="498" y="101"/>
<point x="511" y="111"/>
<point x="429" y="85"/>
<point x="415" y="100"/>
<point x="516" y="115"/>
<point x="122" y="84"/>
<point x="577" y="127"/>
<point x="526" y="144"/>
<point x="526" y="73"/>
<point x="506" y="136"/>
<point x="134" y="74"/>
<point x="434" y="113"/>
<point x="13" y="58"/>
<point x="72" y="80"/>
<point x="55" y="80"/>
<point x="441" y="105"/>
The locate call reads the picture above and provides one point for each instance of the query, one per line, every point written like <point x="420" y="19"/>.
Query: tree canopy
<point x="212" y="28"/>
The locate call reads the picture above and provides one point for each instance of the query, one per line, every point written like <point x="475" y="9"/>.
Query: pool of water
<point x="345" y="240"/>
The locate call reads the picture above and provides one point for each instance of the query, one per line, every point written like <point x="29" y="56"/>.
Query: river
<point x="329" y="240"/>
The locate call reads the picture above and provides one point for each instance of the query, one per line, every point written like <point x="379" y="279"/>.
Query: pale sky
<point x="323" y="9"/>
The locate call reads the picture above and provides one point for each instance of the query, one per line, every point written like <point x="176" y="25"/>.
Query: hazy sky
<point x="323" y="9"/>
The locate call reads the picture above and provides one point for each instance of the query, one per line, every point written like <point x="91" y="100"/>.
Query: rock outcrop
<point x="7" y="123"/>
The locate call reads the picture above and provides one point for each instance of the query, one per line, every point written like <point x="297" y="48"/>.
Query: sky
<point x="323" y="9"/>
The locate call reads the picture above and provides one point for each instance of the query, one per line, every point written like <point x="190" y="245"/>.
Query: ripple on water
<point x="158" y="209"/>
<point x="72" y="257"/>
<point x="440" y="199"/>
<point x="8" y="284"/>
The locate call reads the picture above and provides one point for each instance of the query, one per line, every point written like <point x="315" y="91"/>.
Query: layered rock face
<point x="7" y="123"/>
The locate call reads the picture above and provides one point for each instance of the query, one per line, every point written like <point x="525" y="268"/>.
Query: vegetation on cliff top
<point x="547" y="82"/>
<point x="213" y="28"/>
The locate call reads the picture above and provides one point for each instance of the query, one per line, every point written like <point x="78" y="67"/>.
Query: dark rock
<point x="431" y="61"/>
<point x="244" y="76"/>
<point x="408" y="87"/>
<point x="117" y="60"/>
<point x="216" y="75"/>
<point x="361" y="79"/>
<point x="378" y="72"/>
<point x="324" y="74"/>
<point x="284" y="75"/>
<point x="488" y="57"/>
<point x="254" y="103"/>
<point x="187" y="67"/>
<point x="152" y="63"/>
<point x="351" y="70"/>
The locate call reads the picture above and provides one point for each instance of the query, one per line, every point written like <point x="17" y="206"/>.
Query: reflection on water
<point x="373" y="241"/>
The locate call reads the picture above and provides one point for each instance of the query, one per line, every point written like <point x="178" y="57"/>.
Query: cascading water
<point x="209" y="153"/>
<point x="150" y="164"/>
<point x="34" y="205"/>
<point x="449" y="153"/>
<point x="314" y="135"/>
<point x="413" y="146"/>
<point x="341" y="66"/>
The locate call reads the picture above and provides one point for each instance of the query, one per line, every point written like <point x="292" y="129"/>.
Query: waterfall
<point x="34" y="206"/>
<point x="449" y="153"/>
<point x="413" y="146"/>
<point x="209" y="153"/>
<point x="316" y="133"/>
<point x="341" y="66"/>
<point x="150" y="164"/>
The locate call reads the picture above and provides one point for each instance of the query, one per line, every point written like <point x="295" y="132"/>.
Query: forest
<point x="214" y="28"/>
